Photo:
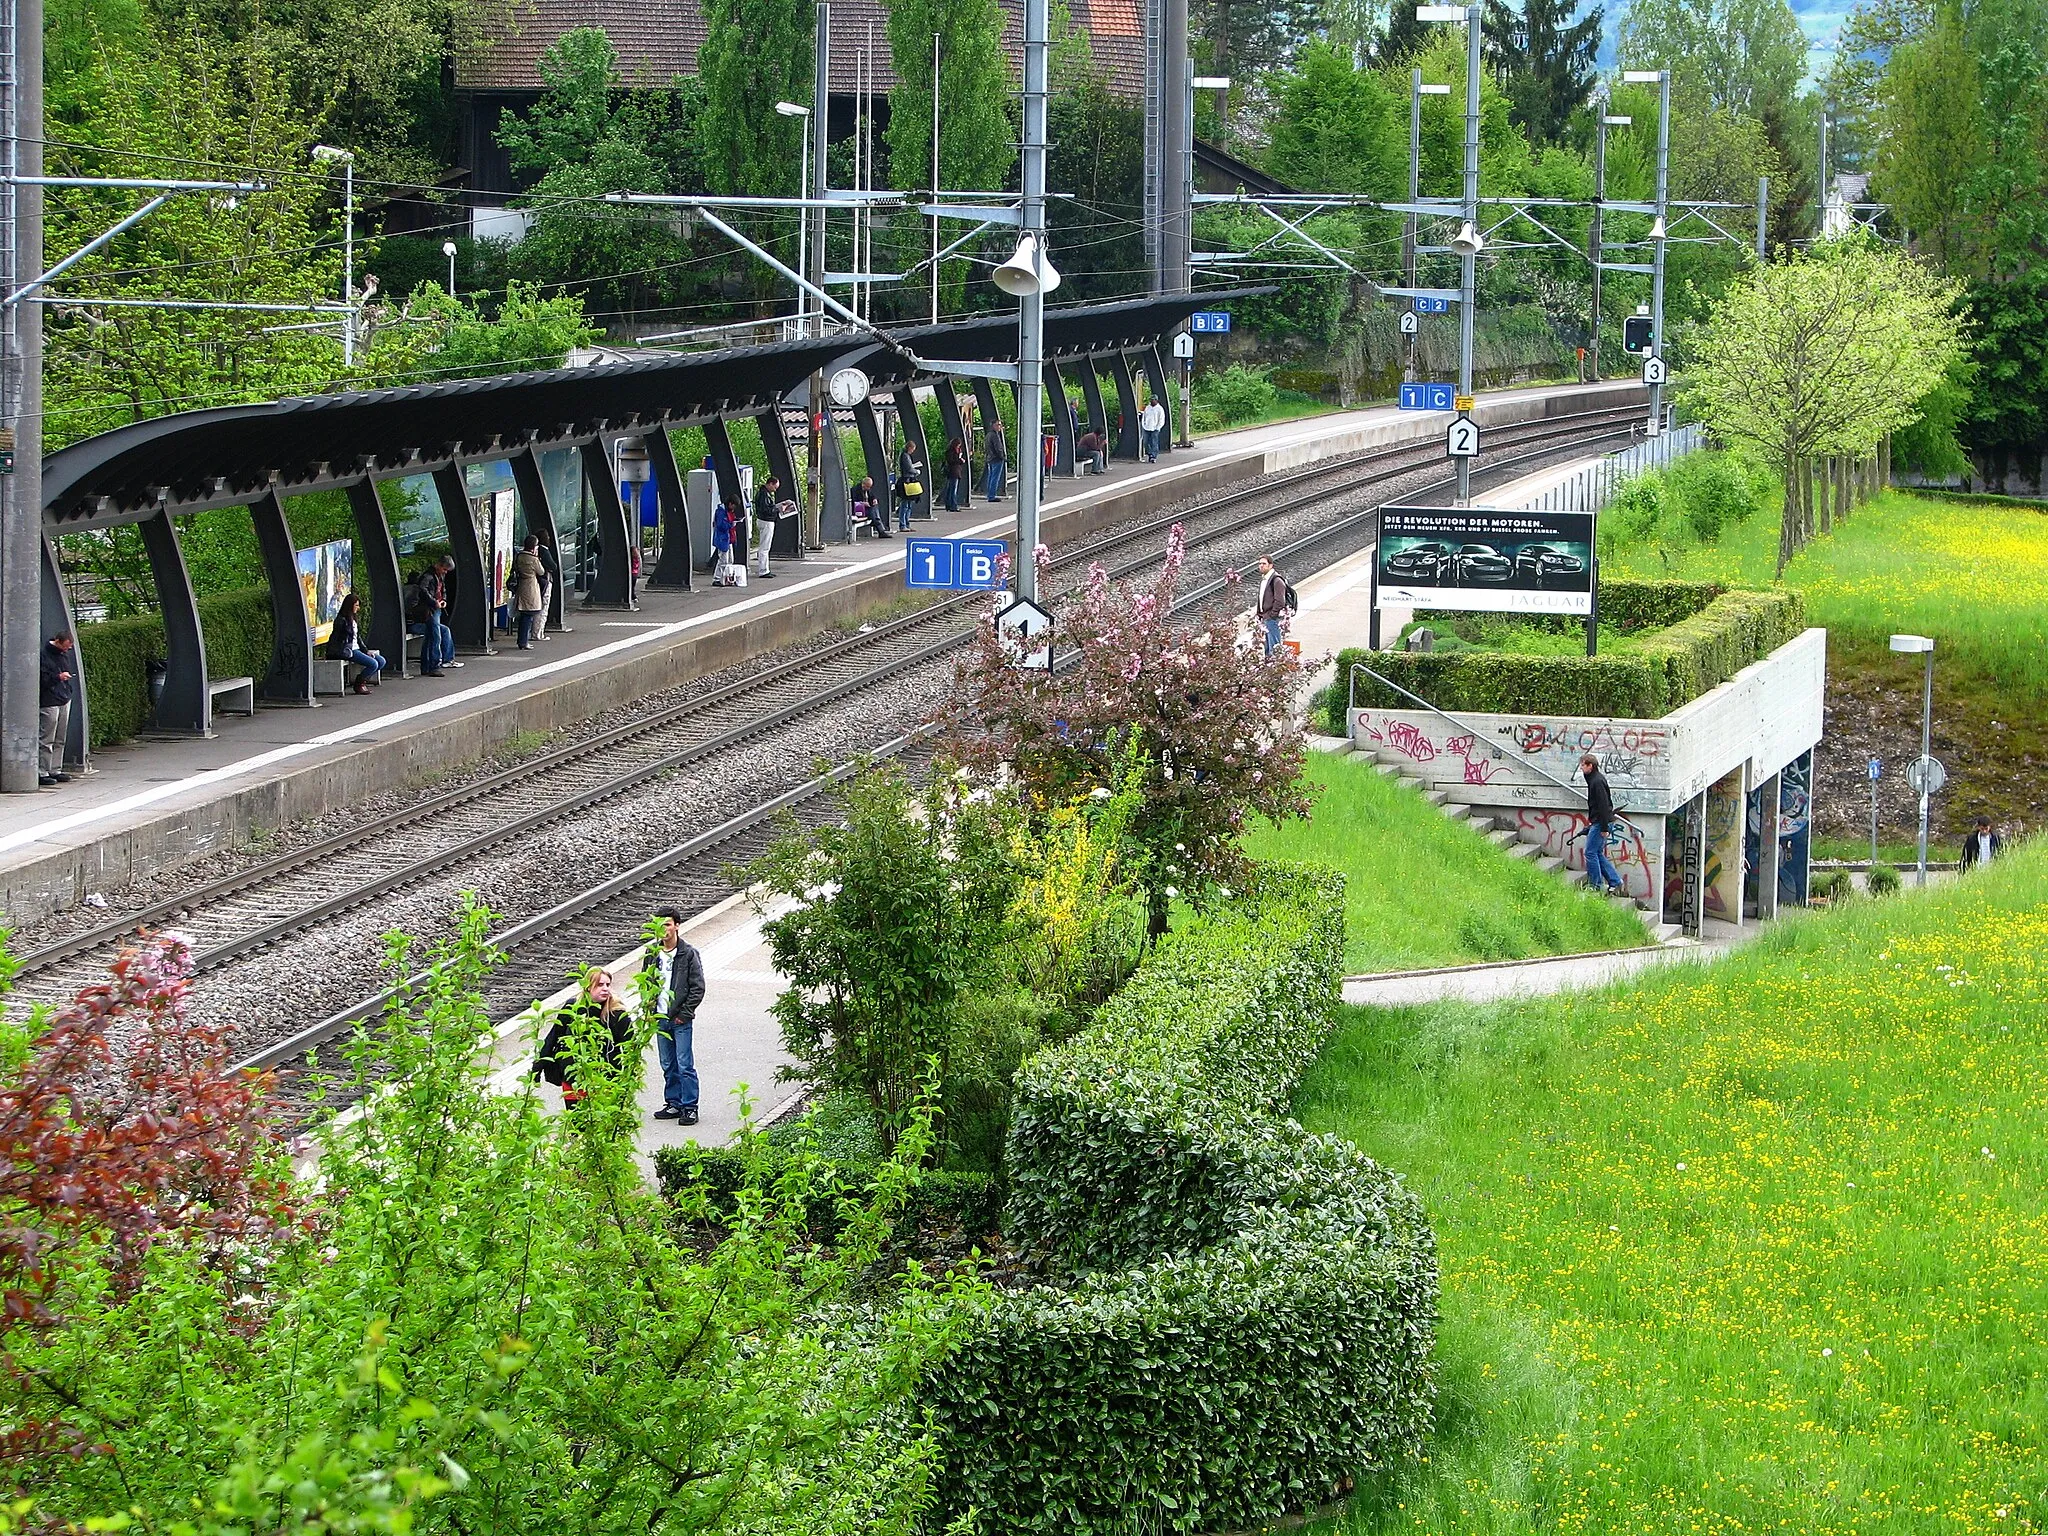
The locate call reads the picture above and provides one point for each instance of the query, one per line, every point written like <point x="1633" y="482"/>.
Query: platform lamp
<point x="327" y="154"/>
<point x="1922" y="645"/>
<point x="448" y="250"/>
<point x="803" y="223"/>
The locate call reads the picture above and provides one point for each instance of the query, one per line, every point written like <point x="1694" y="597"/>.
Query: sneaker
<point x="61" y="778"/>
<point x="46" y="781"/>
<point x="668" y="1112"/>
<point x="455" y="663"/>
<point x="687" y="1115"/>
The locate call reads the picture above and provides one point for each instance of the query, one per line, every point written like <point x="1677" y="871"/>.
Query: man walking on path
<point x="679" y="989"/>
<point x="1152" y="421"/>
<point x="1600" y="871"/>
<point x="1982" y="845"/>
<point x="1272" y="602"/>
<point x="998" y="455"/>
<point x="59" y="687"/>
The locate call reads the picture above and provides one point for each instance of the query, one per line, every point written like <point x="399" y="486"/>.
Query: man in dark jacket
<point x="1982" y="845"/>
<point x="1272" y="607"/>
<point x="680" y="988"/>
<point x="1600" y="871"/>
<point x="59" y="688"/>
<point x="996" y="451"/>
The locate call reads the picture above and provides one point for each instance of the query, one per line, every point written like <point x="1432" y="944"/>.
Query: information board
<point x="1486" y="560"/>
<point x="326" y="572"/>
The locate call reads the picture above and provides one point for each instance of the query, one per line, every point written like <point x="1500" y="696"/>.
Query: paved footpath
<point x="1509" y="979"/>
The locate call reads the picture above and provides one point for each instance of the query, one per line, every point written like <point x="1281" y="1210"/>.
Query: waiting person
<point x="345" y="643"/>
<point x="867" y="508"/>
<point x="550" y="577"/>
<point x="997" y="448"/>
<point x="426" y="617"/>
<point x="1272" y="609"/>
<point x="1152" y="422"/>
<point x="1094" y="447"/>
<point x="53" y="703"/>
<point x="596" y="1029"/>
<point x="1983" y="844"/>
<point x="765" y="514"/>
<point x="1600" y="871"/>
<point x="909" y="484"/>
<point x="681" y="988"/>
<point x="528" y="599"/>
<point x="956" y="473"/>
<point x="723" y="522"/>
<point x="1048" y="456"/>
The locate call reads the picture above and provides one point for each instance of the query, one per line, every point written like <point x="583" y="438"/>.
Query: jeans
<point x="529" y="618"/>
<point x="437" y="644"/>
<point x="992" y="482"/>
<point x="371" y="663"/>
<point x="1272" y="635"/>
<point x="55" y="720"/>
<point x="678" y="1057"/>
<point x="1600" y="870"/>
<point x="952" y="493"/>
<point x="1152" y="443"/>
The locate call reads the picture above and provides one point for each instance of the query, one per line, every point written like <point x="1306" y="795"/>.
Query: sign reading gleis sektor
<point x="1486" y="559"/>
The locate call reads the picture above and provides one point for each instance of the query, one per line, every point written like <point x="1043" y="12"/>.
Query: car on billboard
<point x="1436" y="564"/>
<point x="1542" y="562"/>
<point x="1481" y="565"/>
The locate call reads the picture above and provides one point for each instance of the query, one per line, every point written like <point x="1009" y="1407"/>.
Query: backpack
<point x="416" y="601"/>
<point x="1292" y="600"/>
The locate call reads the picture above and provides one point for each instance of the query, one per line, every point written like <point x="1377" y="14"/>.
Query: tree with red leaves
<point x="1210" y="718"/>
<point x="121" y="1127"/>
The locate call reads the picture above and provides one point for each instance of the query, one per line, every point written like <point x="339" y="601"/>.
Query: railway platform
<point x="154" y="804"/>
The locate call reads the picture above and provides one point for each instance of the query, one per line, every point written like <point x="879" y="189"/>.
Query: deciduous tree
<point x="1337" y="128"/>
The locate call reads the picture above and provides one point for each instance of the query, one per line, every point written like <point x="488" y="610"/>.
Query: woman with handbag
<point x="528" y="600"/>
<point x="597" y="1029"/>
<point x="956" y="473"/>
<point x="909" y="485"/>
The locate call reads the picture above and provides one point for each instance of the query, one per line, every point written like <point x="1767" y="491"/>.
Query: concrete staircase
<point x="1505" y="836"/>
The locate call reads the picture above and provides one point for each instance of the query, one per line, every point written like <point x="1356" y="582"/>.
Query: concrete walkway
<point x="1509" y="979"/>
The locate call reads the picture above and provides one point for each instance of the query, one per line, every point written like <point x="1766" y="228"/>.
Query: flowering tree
<point x="1211" y="719"/>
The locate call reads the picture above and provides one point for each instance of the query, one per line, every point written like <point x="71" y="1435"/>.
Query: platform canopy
<point x="231" y="455"/>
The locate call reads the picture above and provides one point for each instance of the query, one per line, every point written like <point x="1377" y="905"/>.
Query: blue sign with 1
<point x="930" y="562"/>
<point x="1428" y="397"/>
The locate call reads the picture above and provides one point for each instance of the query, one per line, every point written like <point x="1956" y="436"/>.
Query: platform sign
<point x="1926" y="775"/>
<point x="1654" y="371"/>
<point x="1463" y="404"/>
<point x="1486" y="560"/>
<point x="1427" y="306"/>
<point x="1026" y="631"/>
<point x="1409" y="324"/>
<point x="1428" y="397"/>
<point x="1214" y="321"/>
<point x="1462" y="440"/>
<point x="1183" y="345"/>
<point x="954" y="565"/>
<point x="930" y="562"/>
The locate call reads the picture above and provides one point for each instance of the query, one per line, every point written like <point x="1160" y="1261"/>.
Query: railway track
<point x="240" y="914"/>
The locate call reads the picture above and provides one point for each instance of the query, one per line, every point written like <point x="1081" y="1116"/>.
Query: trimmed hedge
<point x="939" y="1198"/>
<point x="1252" y="1313"/>
<point x="237" y="629"/>
<point x="1669" y="667"/>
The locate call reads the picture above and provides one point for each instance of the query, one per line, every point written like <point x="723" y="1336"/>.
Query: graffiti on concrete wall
<point x="1626" y="752"/>
<point x="1415" y="743"/>
<point x="1562" y="834"/>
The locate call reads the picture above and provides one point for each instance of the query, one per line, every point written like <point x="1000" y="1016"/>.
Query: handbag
<point x="913" y="489"/>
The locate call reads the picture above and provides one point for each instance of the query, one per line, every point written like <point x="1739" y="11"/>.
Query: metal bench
<point x="232" y="695"/>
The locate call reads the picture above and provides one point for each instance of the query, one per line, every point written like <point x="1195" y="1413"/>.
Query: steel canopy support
<point x="1131" y="440"/>
<point x="186" y="704"/>
<point x="877" y="457"/>
<point x="955" y="427"/>
<point x="1154" y="367"/>
<point x="468" y="617"/>
<point x="1064" y="428"/>
<point x="612" y="587"/>
<point x="1091" y="394"/>
<point x="674" y="568"/>
<point x="385" y="629"/>
<point x="913" y="434"/>
<point x="531" y="487"/>
<point x="290" y="679"/>
<point x="835" y="519"/>
<point x="56" y="611"/>
<point x="788" y="540"/>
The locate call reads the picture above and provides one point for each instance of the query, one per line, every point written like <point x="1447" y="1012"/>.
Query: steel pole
<point x="1408" y="225"/>
<point x="348" y="261"/>
<point x="1657" y="253"/>
<point x="1031" y="306"/>
<point x="1763" y="210"/>
<point x="1177" y="104"/>
<point x="820" y="417"/>
<point x="935" y="178"/>
<point x="21" y="405"/>
<point x="1597" y="236"/>
<point x="1926" y="747"/>
<point x="1468" y="264"/>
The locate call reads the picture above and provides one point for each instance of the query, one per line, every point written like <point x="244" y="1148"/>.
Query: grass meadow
<point x="1755" y="1247"/>
<point x="1423" y="890"/>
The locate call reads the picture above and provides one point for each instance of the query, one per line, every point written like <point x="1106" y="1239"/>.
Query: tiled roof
<point x="658" y="41"/>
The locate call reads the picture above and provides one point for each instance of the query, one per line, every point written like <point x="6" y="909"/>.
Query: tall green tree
<point x="1549" y="59"/>
<point x="1405" y="36"/>
<point x="1747" y="53"/>
<point x="1097" y="155"/>
<point x="1931" y="137"/>
<point x="1338" y="128"/>
<point x="755" y="53"/>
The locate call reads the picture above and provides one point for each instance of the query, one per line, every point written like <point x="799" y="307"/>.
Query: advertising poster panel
<point x="1486" y="560"/>
<point x="326" y="572"/>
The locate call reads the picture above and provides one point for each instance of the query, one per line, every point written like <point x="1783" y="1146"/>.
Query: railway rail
<point x="244" y="912"/>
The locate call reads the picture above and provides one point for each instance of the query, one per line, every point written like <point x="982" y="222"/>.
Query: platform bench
<point x="232" y="695"/>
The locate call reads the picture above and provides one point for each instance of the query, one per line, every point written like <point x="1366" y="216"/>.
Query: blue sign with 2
<point x="957" y="565"/>
<point x="1216" y="320"/>
<point x="1428" y="397"/>
<point x="1432" y="306"/>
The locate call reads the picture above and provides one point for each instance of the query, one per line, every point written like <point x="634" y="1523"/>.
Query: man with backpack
<point x="1276" y="601"/>
<point x="426" y="602"/>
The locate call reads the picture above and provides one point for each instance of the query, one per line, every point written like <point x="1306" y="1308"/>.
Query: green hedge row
<point x="237" y="630"/>
<point x="1668" y="667"/>
<point x="939" y="1199"/>
<point x="1251" y="1322"/>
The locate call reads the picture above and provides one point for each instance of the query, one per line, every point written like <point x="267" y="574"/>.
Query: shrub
<point x="1634" y="513"/>
<point x="1238" y="393"/>
<point x="1713" y="493"/>
<point x="1252" y="1324"/>
<point x="934" y="1200"/>
<point x="237" y="631"/>
<point x="1883" y="880"/>
<point x="1667" y="668"/>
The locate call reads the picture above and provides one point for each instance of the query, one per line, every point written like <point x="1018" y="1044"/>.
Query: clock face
<point x="847" y="387"/>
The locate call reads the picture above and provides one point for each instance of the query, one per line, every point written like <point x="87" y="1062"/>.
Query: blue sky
<point x="1819" y="19"/>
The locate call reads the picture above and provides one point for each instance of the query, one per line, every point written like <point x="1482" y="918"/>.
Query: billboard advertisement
<point x="326" y="572"/>
<point x="1486" y="560"/>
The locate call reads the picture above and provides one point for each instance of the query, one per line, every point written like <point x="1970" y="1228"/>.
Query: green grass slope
<point x="1423" y="890"/>
<point x="1761" y="1247"/>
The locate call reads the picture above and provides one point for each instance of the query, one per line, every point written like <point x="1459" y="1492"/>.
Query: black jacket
<point x="342" y="639"/>
<point x="998" y="449"/>
<point x="57" y="689"/>
<point x="686" y="981"/>
<point x="1599" y="799"/>
<point x="1970" y="847"/>
<point x="555" y="1061"/>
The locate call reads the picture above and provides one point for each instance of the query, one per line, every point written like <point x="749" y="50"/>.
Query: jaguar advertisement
<point x="1486" y="559"/>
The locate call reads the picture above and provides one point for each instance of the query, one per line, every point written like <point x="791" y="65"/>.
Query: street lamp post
<point x="1598" y="238"/>
<point x="803" y="237"/>
<point x="448" y="250"/>
<point x="1922" y="645"/>
<point x="1187" y="198"/>
<point x="1416" y="91"/>
<point x="327" y="154"/>
<point x="1661" y="78"/>
<point x="1468" y="242"/>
